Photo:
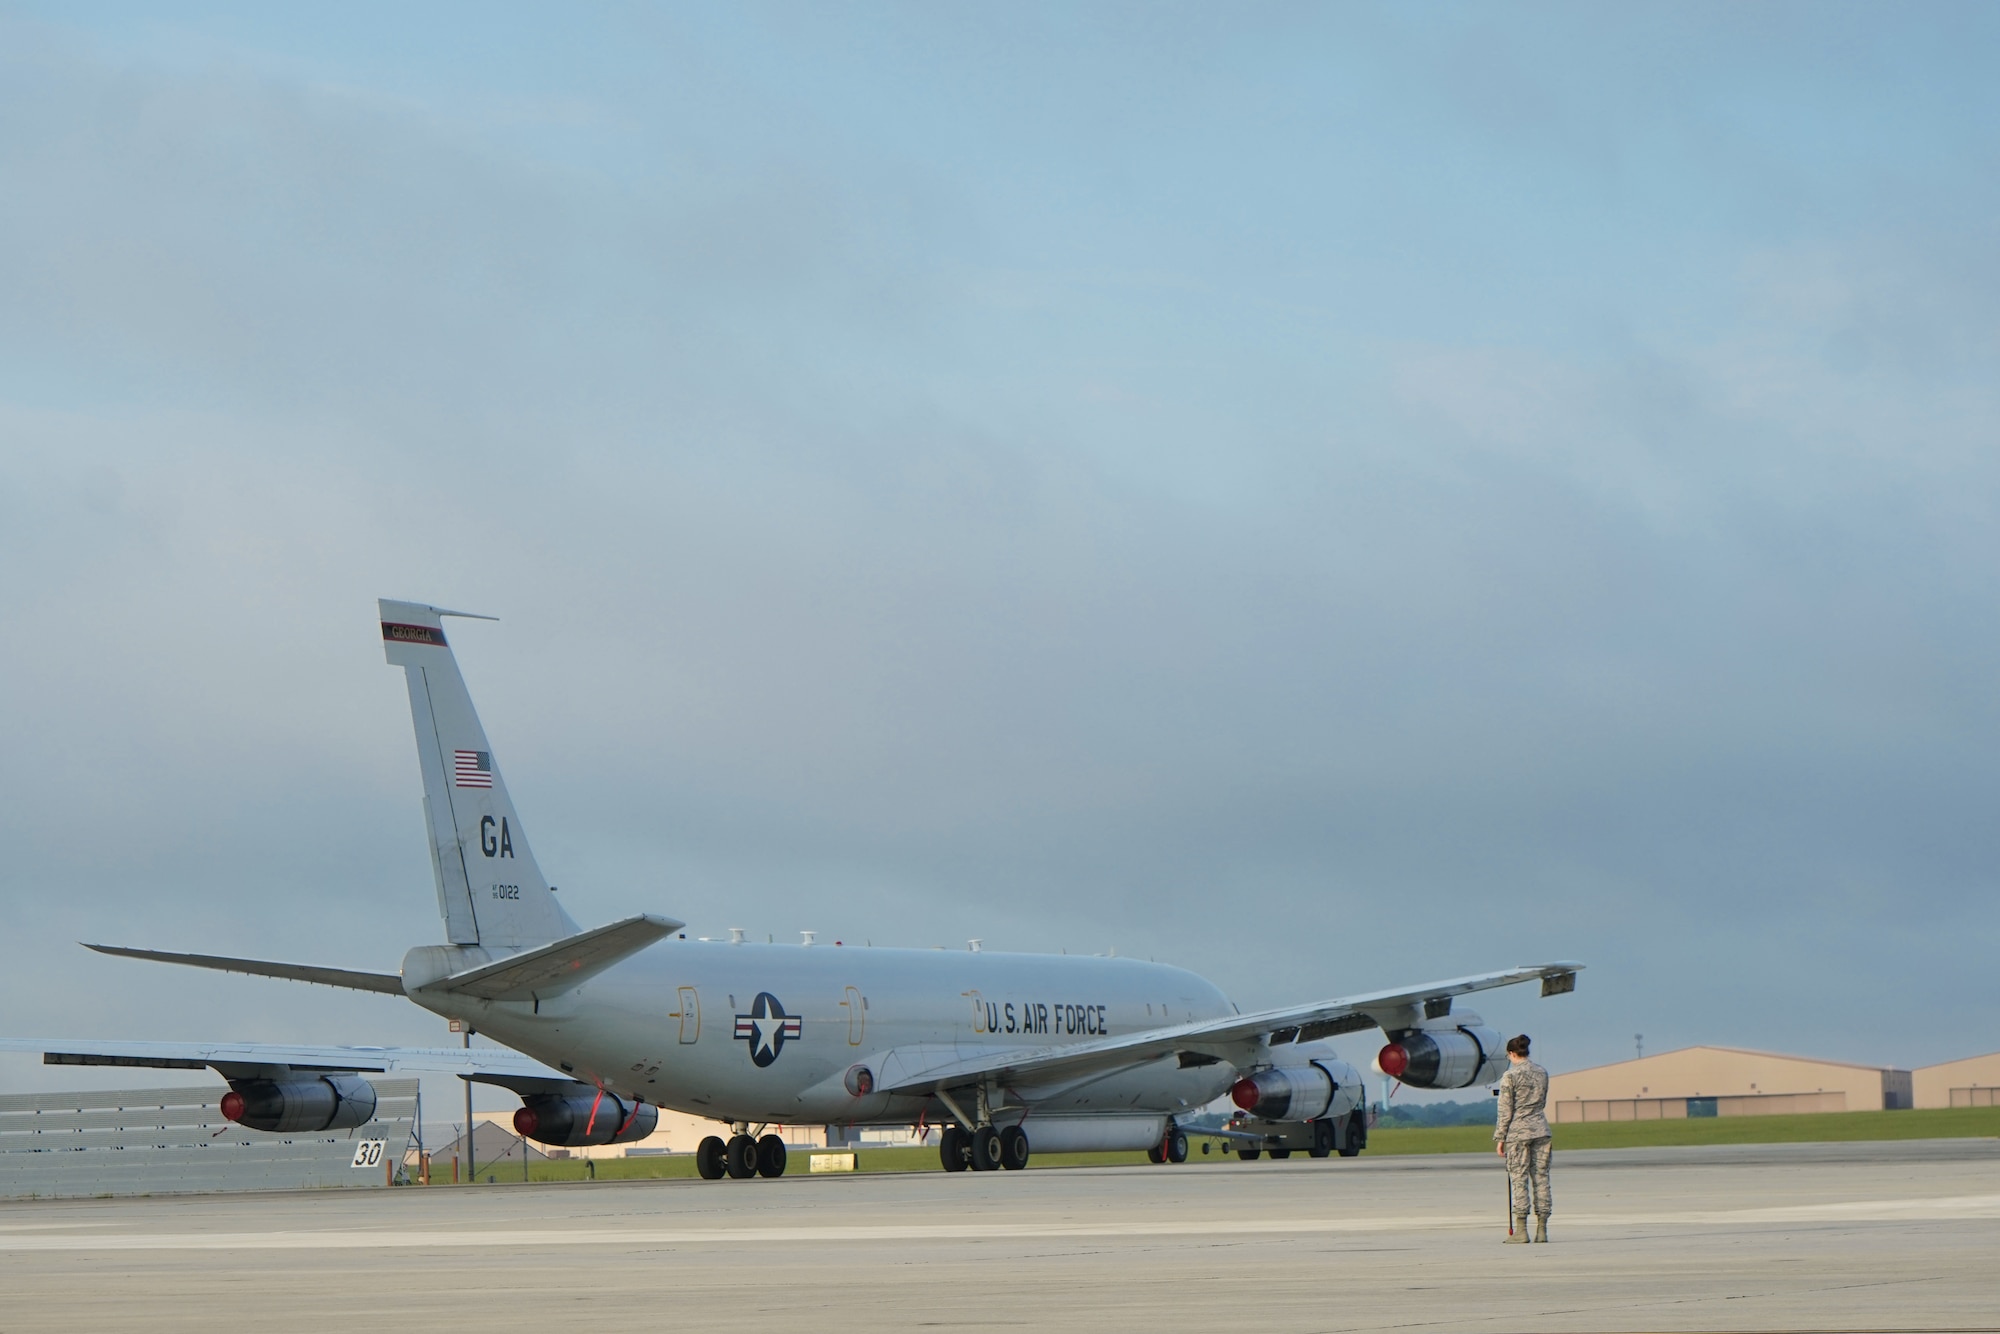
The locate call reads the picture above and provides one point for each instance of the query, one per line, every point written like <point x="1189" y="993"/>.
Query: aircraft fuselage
<point x="770" y="1033"/>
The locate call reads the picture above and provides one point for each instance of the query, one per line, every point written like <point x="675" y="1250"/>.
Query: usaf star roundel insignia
<point x="766" y="1028"/>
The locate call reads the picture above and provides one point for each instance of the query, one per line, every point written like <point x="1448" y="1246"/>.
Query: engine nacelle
<point x="1288" y="1093"/>
<point x="588" y="1116"/>
<point x="1444" y="1058"/>
<point x="328" y="1102"/>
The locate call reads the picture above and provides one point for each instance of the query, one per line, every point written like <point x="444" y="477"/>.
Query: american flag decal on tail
<point x="472" y="768"/>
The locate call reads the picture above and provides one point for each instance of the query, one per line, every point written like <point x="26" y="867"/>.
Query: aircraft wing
<point x="250" y="1060"/>
<point x="1230" y="1039"/>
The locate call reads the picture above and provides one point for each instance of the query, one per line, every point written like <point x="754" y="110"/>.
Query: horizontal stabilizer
<point x="250" y="1060"/>
<point x="387" y="983"/>
<point x="554" y="969"/>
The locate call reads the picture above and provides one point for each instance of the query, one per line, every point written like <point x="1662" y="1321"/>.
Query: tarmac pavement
<point x="1885" y="1236"/>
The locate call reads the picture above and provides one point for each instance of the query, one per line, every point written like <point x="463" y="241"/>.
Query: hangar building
<point x="1972" y="1082"/>
<point x="1723" y="1081"/>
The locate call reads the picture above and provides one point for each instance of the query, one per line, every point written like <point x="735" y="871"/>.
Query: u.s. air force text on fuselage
<point x="1060" y="1018"/>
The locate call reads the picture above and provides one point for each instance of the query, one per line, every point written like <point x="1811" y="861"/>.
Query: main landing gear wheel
<point x="1322" y="1145"/>
<point x="985" y="1149"/>
<point x="1357" y="1134"/>
<point x="1157" y="1154"/>
<point x="1013" y="1148"/>
<point x="953" y="1150"/>
<point x="1249" y="1155"/>
<point x="742" y="1157"/>
<point x="771" y="1156"/>
<point x="1177" y="1145"/>
<point x="711" y="1159"/>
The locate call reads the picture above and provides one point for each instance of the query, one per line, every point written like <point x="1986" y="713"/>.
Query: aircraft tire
<point x="1280" y="1151"/>
<point x="1156" y="1154"/>
<point x="953" y="1150"/>
<point x="1357" y="1134"/>
<point x="771" y="1156"/>
<point x="1322" y="1144"/>
<point x="742" y="1157"/>
<point x="1249" y="1155"/>
<point x="711" y="1159"/>
<point x="1013" y="1148"/>
<point x="985" y="1149"/>
<point x="1176" y="1147"/>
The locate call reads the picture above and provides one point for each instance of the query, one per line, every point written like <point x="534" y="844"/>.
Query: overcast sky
<point x="1329" y="496"/>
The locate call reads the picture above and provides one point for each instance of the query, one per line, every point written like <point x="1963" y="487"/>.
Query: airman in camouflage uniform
<point x="1521" y="1135"/>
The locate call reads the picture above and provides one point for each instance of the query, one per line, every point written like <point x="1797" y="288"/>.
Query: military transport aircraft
<point x="1005" y="1052"/>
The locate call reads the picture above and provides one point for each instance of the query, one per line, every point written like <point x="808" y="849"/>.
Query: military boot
<point x="1519" y="1235"/>
<point x="1541" y="1227"/>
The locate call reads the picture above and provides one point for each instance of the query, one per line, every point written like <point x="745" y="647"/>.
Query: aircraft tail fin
<point x="490" y="891"/>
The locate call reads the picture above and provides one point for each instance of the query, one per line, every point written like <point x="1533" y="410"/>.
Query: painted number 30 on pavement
<point x="368" y="1153"/>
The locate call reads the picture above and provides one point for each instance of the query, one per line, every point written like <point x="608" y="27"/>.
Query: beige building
<point x="1972" y="1082"/>
<point x="1722" y="1081"/>
<point x="678" y="1132"/>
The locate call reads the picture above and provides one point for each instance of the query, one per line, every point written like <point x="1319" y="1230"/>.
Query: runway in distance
<point x="1008" y="1053"/>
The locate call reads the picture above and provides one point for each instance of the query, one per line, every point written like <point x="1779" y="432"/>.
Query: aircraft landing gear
<point x="1172" y="1148"/>
<point x="742" y="1157"/>
<point x="953" y="1149"/>
<point x="771" y="1156"/>
<point x="711" y="1159"/>
<point x="1013" y="1148"/>
<point x="985" y="1149"/>
<point x="1356" y="1138"/>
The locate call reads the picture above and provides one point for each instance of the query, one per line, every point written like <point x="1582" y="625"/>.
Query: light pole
<point x="1639" y="1043"/>
<point x="471" y="1156"/>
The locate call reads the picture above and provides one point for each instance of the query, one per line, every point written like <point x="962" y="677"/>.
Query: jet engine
<point x="1291" y="1093"/>
<point x="585" y="1116"/>
<point x="327" y="1102"/>
<point x="1444" y="1057"/>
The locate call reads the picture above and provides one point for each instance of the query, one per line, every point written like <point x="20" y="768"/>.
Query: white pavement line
<point x="1847" y="1211"/>
<point x="45" y="1227"/>
<point x="1841" y="1211"/>
<point x="734" y="1236"/>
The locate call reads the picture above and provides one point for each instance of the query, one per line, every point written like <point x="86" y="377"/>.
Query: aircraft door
<point x="857" y="1016"/>
<point x="689" y="1014"/>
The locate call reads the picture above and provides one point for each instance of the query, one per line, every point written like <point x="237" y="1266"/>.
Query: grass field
<point x="1957" y="1123"/>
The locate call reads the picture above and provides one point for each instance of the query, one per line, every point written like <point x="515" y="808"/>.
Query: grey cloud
<point x="855" y="579"/>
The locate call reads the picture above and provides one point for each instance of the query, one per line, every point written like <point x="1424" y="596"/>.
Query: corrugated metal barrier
<point x="176" y="1140"/>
